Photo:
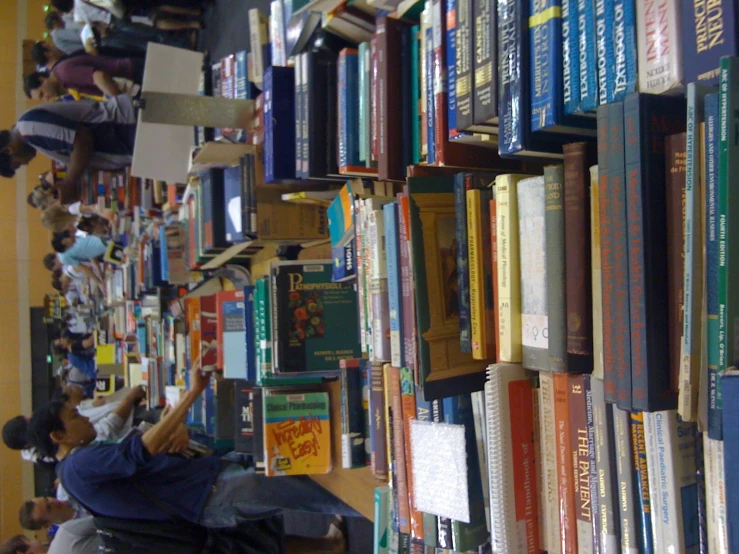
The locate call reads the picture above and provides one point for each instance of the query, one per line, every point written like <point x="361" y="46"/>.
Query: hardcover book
<point x="484" y="82"/>
<point x="297" y="434"/>
<point x="570" y="57"/>
<point x="625" y="62"/>
<point x="588" y="58"/>
<point x="279" y="124"/>
<point x="643" y="503"/>
<point x="311" y="312"/>
<point x="231" y="323"/>
<point x="463" y="63"/>
<point x="659" y="46"/>
<point x="565" y="462"/>
<point x="482" y="313"/>
<point x="709" y="32"/>
<point x="244" y="423"/>
<point x="554" y="226"/>
<point x="208" y="336"/>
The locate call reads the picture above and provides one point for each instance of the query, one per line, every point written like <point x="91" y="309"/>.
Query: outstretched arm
<point x="82" y="150"/>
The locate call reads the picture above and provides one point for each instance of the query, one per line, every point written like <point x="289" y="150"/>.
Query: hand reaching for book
<point x="179" y="440"/>
<point x="198" y="379"/>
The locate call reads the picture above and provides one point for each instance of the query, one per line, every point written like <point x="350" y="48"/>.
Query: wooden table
<point x="356" y="487"/>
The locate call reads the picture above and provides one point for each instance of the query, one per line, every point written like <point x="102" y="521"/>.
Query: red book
<point x="565" y="464"/>
<point x="221" y="297"/>
<point x="208" y="329"/>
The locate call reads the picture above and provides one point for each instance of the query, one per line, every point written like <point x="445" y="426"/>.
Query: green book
<point x="415" y="94"/>
<point x="311" y="314"/>
<point x="381" y="527"/>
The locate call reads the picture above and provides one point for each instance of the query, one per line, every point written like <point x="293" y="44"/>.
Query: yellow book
<point x="595" y="272"/>
<point x="509" y="269"/>
<point x="297" y="434"/>
<point x="482" y="326"/>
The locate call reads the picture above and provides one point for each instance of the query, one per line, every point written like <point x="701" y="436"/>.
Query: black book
<point x="225" y="401"/>
<point x="484" y="65"/>
<point x="321" y="104"/>
<point x="243" y="415"/>
<point x="463" y="64"/>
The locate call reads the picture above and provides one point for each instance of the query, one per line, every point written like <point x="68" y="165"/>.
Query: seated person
<point x="203" y="491"/>
<point x="41" y="197"/>
<point x="76" y="536"/>
<point x="80" y="135"/>
<point x="74" y="251"/>
<point x="75" y="343"/>
<point x="40" y="512"/>
<point x="58" y="218"/>
<point x="64" y="31"/>
<point x="21" y="544"/>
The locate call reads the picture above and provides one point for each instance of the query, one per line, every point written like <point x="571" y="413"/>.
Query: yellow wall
<point x="23" y="243"/>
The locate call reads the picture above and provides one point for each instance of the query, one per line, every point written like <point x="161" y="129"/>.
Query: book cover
<point x="511" y="460"/>
<point x="297" y="434"/>
<point x="482" y="323"/>
<point x="509" y="269"/>
<point x="208" y="337"/>
<point x="648" y="120"/>
<point x="629" y="524"/>
<point x="728" y="203"/>
<point x="659" y="46"/>
<point x="394" y="285"/>
<point x="710" y="219"/>
<point x="640" y="467"/>
<point x="578" y="390"/>
<point x="231" y="332"/>
<point x="551" y="533"/>
<point x="625" y="58"/>
<point x="244" y="417"/>
<point x="310" y="314"/>
<point x="709" y="32"/>
<point x="463" y="65"/>
<point x="565" y="462"/>
<point x="279" y="123"/>
<point x="605" y="458"/>
<point x="588" y="55"/>
<point x="577" y="248"/>
<point x="379" y="457"/>
<point x="570" y="57"/>
<point x="604" y="47"/>
<point x="408" y="402"/>
<point x="484" y="64"/>
<point x="554" y="226"/>
<point x="532" y="244"/>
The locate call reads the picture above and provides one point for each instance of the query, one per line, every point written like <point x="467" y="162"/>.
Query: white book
<point x="551" y="537"/>
<point x="258" y="36"/>
<point x="713" y="450"/>
<point x="277" y="33"/>
<point x="658" y="46"/>
<point x="511" y="471"/>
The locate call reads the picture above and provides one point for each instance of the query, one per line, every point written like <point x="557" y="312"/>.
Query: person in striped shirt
<point x="80" y="135"/>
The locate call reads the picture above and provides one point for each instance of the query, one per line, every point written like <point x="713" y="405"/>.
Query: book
<point x="381" y="523"/>
<point x="554" y="226"/>
<point x="551" y="537"/>
<point x="208" y="338"/>
<point x="604" y="46"/>
<point x="308" y="314"/>
<point x="570" y="57"/>
<point x="624" y="33"/>
<point x="352" y="417"/>
<point x="408" y="404"/>
<point x="394" y="285"/>
<point x="716" y="495"/>
<point x="648" y="120"/>
<point x="231" y="333"/>
<point x="397" y="444"/>
<point x="483" y="22"/>
<point x="348" y="77"/>
<point x="258" y="37"/>
<point x="659" y="46"/>
<point x="509" y="270"/>
<point x="730" y="458"/>
<point x="481" y="298"/>
<point x="565" y="462"/>
<point x="581" y="431"/>
<point x="510" y="428"/>
<point x="244" y="422"/>
<point x="320" y="109"/>
<point x="641" y="476"/>
<point x="463" y="65"/>
<point x="532" y="244"/>
<point x="379" y="457"/>
<point x="377" y="281"/>
<point x="628" y="523"/>
<point x="588" y="55"/>
<point x="605" y="457"/>
<point x="708" y="32"/>
<point x="297" y="434"/>
<point x="279" y="127"/>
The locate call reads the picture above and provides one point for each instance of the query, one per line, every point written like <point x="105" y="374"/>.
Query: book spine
<point x="441" y="127"/>
<point x="716" y="496"/>
<point x="604" y="37"/>
<point x="708" y="33"/>
<point x="580" y="455"/>
<point x="374" y="105"/>
<point x="443" y="524"/>
<point x="588" y="60"/>
<point x="728" y="204"/>
<point x="593" y="470"/>
<point x="405" y="98"/>
<point x="379" y="460"/>
<point x="675" y="170"/>
<point x="463" y="275"/>
<point x="298" y="116"/>
<point x="711" y="241"/>
<point x="463" y="63"/>
<point x="352" y="439"/>
<point x="658" y="46"/>
<point x="478" y="329"/>
<point x="424" y="411"/>
<point x="398" y="446"/>
<point x="511" y="94"/>
<point x="484" y="63"/>
<point x="555" y="267"/>
<point x="380" y="536"/>
<point x="450" y="57"/>
<point x="532" y="242"/>
<point x="406" y="280"/>
<point x="545" y="36"/>
<point x="422" y="93"/>
<point x="641" y="476"/>
<point x="305" y="114"/>
<point x="343" y="129"/>
<point x="625" y="56"/>
<point x="551" y="538"/>
<point x="269" y="131"/>
<point x="415" y="87"/>
<point x="378" y="287"/>
<point x="565" y="463"/>
<point x="626" y="484"/>
<point x="251" y="366"/>
<point x="608" y="538"/>
<point x="577" y="246"/>
<point x="493" y="225"/>
<point x="408" y="398"/>
<point x="616" y="330"/>
<point x="392" y="245"/>
<point x="700" y="481"/>
<point x="570" y="58"/>
<point x="509" y="274"/>
<point x="389" y="125"/>
<point x="648" y="120"/>
<point x="363" y="101"/>
<point x="430" y="100"/>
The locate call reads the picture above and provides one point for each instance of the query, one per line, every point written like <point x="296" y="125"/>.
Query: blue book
<point x="451" y="71"/>
<point x="644" y="505"/>
<point x="624" y="38"/>
<point x="588" y="59"/>
<point x="570" y="57"/>
<point x="604" y="47"/>
<point x="467" y="536"/>
<point x="234" y="337"/>
<point x="430" y="136"/>
<point x="251" y="354"/>
<point x="515" y="138"/>
<point x="709" y="31"/>
<point x="731" y="456"/>
<point x="711" y="115"/>
<point x="547" y="102"/>
<point x="395" y="300"/>
<point x="279" y="124"/>
<point x="163" y="261"/>
<point x="349" y="160"/>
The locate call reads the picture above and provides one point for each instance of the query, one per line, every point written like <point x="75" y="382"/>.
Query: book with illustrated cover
<point x="297" y="434"/>
<point x="310" y="314"/>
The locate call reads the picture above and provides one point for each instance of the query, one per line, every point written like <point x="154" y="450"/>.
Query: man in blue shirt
<point x="80" y="135"/>
<point x="109" y="479"/>
<point x="83" y="249"/>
